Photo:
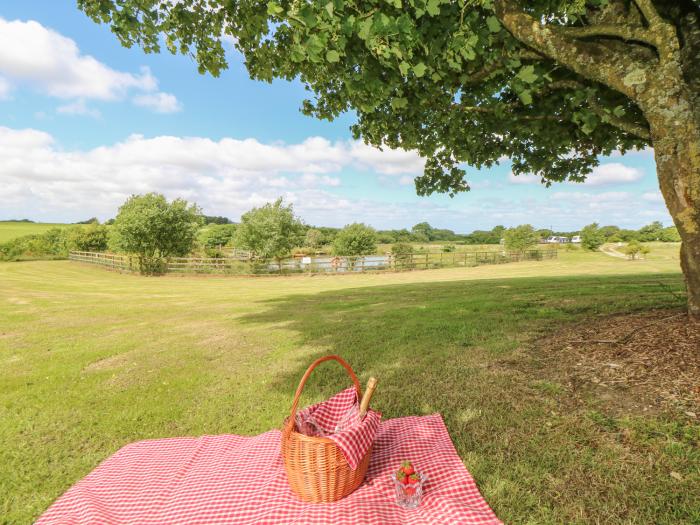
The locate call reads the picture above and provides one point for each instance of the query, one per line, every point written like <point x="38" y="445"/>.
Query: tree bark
<point x="676" y="139"/>
<point x="667" y="103"/>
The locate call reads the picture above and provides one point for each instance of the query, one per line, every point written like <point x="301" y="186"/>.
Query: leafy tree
<point x="544" y="233"/>
<point x="313" y="239"/>
<point x="216" y="237"/>
<point x="154" y="229"/>
<point x="625" y="235"/>
<point x="550" y="84"/>
<point x="493" y="236"/>
<point x="422" y="232"/>
<point x="91" y="238"/>
<point x="91" y="220"/>
<point x="650" y="232"/>
<point x="591" y="237"/>
<point x="635" y="249"/>
<point x="609" y="232"/>
<point x="520" y="238"/>
<point x="355" y="239"/>
<point x="271" y="231"/>
<point x="216" y="219"/>
<point x="670" y="234"/>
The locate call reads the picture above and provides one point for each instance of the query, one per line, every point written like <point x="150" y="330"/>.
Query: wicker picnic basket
<point x="316" y="468"/>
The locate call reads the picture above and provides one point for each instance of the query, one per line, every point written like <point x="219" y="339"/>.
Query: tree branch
<point x="625" y="125"/>
<point x="626" y="33"/>
<point x="589" y="59"/>
<point x="646" y="7"/>
<point x="482" y="109"/>
<point x="620" y="123"/>
<point x="485" y="72"/>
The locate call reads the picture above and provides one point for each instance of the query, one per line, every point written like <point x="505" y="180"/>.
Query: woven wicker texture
<point x="316" y="468"/>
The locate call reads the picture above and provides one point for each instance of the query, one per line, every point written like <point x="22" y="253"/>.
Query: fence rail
<point x="229" y="265"/>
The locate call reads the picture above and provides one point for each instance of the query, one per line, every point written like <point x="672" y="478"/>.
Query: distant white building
<point x="576" y="239"/>
<point x="556" y="240"/>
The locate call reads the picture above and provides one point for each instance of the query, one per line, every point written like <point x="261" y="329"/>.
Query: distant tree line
<point x="152" y="229"/>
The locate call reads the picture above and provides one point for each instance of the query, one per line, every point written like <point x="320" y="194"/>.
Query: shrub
<point x="635" y="249"/>
<point x="270" y="232"/>
<point x="215" y="237"/>
<point x="90" y="238"/>
<point x="591" y="237"/>
<point x="52" y="244"/>
<point x="154" y="229"/>
<point x="403" y="254"/>
<point x="520" y="238"/>
<point x="355" y="239"/>
<point x="449" y="248"/>
<point x="313" y="239"/>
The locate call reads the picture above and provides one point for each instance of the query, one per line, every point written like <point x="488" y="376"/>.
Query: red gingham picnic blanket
<point x="357" y="436"/>
<point x="241" y="480"/>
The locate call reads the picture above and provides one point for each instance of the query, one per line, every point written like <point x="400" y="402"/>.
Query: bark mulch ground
<point x="641" y="362"/>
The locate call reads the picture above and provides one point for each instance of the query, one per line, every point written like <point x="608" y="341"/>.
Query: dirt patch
<point x="643" y="362"/>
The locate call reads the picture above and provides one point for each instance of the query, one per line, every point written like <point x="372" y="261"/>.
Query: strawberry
<point x="413" y="478"/>
<point x="402" y="477"/>
<point x="409" y="490"/>
<point x="407" y="468"/>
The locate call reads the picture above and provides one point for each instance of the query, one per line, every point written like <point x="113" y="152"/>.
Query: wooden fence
<point x="239" y="266"/>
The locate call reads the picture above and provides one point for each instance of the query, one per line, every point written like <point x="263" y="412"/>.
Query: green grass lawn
<point x="10" y="230"/>
<point x="93" y="360"/>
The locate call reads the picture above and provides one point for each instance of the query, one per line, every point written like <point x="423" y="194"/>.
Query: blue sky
<point x="85" y="122"/>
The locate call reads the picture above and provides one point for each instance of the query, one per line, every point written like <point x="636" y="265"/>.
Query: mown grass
<point x="10" y="230"/>
<point x="93" y="360"/>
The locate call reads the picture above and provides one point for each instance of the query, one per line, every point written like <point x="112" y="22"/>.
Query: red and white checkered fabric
<point x="353" y="440"/>
<point x="235" y="479"/>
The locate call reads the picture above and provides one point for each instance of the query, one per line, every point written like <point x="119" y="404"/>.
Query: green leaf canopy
<point x="442" y="77"/>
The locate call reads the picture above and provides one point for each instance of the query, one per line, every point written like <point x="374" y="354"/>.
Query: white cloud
<point x="525" y="178"/>
<point x="387" y="161"/>
<point x="41" y="180"/>
<point x="613" y="173"/>
<point x="5" y="89"/>
<point x="653" y="196"/>
<point x="158" y="102"/>
<point x="226" y="176"/>
<point x="79" y="107"/>
<point x="53" y="64"/>
<point x="603" y="175"/>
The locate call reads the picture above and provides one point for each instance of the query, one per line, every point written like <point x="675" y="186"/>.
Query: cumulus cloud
<point x="42" y="180"/>
<point x="158" y="102"/>
<point x="227" y="176"/>
<point x="525" y="178"/>
<point x="387" y="161"/>
<point x="613" y="173"/>
<point x="5" y="89"/>
<point x="53" y="64"/>
<point x="79" y="107"/>
<point x="603" y="175"/>
<point x="653" y="196"/>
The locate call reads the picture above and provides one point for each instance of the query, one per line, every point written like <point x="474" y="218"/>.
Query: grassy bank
<point x="10" y="230"/>
<point x="93" y="360"/>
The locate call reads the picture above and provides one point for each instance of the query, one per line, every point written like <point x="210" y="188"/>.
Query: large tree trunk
<point x="675" y="131"/>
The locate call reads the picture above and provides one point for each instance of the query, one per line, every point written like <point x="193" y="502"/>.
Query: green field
<point x="93" y="360"/>
<point x="10" y="230"/>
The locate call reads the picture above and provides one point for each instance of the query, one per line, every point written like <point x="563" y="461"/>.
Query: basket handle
<point x="300" y="388"/>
